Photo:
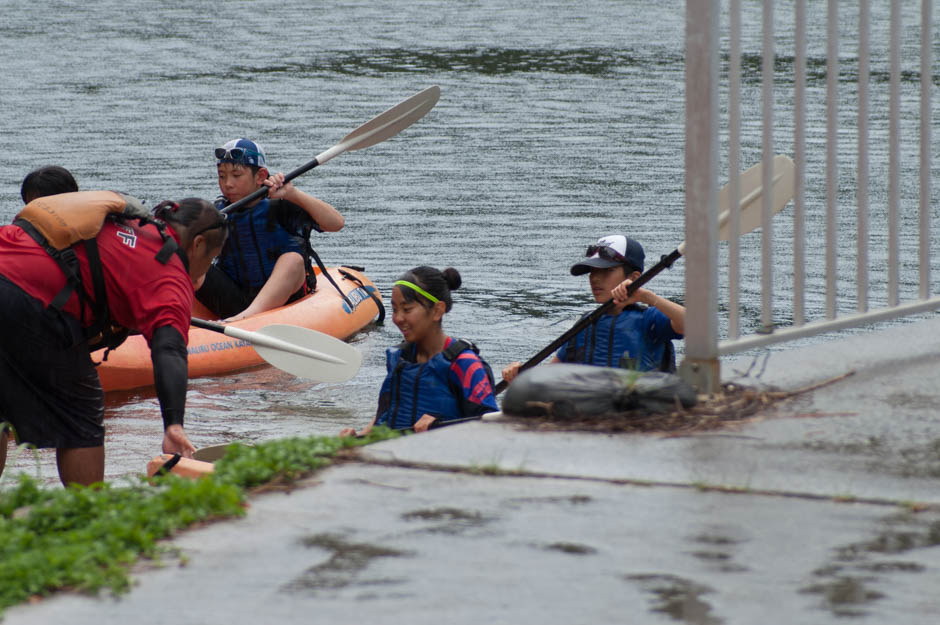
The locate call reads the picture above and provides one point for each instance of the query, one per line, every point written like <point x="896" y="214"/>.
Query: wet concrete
<point x="825" y="510"/>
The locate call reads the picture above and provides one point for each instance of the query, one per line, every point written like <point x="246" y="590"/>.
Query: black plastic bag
<point x="569" y="391"/>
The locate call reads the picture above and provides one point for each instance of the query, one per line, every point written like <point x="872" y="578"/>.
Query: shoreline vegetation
<point x="88" y="538"/>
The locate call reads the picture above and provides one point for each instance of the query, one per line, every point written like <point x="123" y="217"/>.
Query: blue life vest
<point x="258" y="236"/>
<point x="640" y="338"/>
<point x="414" y="389"/>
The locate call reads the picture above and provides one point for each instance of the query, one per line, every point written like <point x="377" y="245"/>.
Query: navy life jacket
<point x="59" y="237"/>
<point x="617" y="354"/>
<point x="425" y="388"/>
<point x="259" y="235"/>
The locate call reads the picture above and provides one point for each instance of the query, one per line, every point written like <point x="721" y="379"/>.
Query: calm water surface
<point x="558" y="122"/>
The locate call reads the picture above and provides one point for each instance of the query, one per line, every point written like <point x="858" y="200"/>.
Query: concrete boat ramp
<point x="825" y="508"/>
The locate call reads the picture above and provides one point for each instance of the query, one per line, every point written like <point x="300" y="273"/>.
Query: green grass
<point x="87" y="538"/>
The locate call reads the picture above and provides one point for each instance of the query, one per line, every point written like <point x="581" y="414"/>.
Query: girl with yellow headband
<point x="432" y="378"/>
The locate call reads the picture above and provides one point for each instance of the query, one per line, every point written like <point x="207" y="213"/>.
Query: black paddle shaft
<point x="664" y="263"/>
<point x="263" y="191"/>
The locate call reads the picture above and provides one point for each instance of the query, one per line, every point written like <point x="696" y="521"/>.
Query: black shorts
<point x="49" y="389"/>
<point x="224" y="297"/>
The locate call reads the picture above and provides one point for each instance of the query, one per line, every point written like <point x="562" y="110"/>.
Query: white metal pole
<point x="832" y="163"/>
<point x="799" y="151"/>
<point x="767" y="115"/>
<point x="861" y="244"/>
<point x="700" y="366"/>
<point x="926" y="118"/>
<point x="734" y="168"/>
<point x="894" y="153"/>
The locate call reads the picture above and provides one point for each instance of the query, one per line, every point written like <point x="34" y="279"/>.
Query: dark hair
<point x="437" y="283"/>
<point x="254" y="168"/>
<point x="196" y="216"/>
<point x="48" y="180"/>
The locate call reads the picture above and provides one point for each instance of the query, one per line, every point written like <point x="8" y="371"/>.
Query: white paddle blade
<point x="751" y="191"/>
<point x="751" y="204"/>
<point x="392" y="121"/>
<point x="304" y="365"/>
<point x="302" y="352"/>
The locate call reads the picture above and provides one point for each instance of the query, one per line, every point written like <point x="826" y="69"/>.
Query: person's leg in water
<point x="80" y="465"/>
<point x="286" y="278"/>
<point x="4" y="442"/>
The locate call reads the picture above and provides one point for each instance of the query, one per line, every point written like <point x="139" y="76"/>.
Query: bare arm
<point x="511" y="370"/>
<point x="328" y="218"/>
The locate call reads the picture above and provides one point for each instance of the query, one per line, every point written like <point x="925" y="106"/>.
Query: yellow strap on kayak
<point x="417" y="289"/>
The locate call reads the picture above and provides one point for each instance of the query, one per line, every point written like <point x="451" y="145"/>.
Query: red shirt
<point x="143" y="294"/>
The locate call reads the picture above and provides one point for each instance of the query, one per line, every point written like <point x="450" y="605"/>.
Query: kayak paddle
<point x="750" y="218"/>
<point x="301" y="352"/>
<point x="376" y="130"/>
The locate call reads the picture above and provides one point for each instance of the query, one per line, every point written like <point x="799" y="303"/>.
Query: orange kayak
<point x="213" y="354"/>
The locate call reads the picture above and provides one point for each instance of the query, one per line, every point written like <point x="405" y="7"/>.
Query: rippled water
<point x="558" y="122"/>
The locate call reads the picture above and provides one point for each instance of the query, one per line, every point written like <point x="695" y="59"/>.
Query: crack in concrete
<point x="490" y="471"/>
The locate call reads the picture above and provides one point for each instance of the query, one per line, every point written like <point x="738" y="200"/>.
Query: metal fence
<point x="714" y="138"/>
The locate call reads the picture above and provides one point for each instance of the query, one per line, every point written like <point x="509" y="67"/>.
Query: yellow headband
<point x="417" y="289"/>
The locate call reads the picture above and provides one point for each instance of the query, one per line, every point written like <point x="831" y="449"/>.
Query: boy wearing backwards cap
<point x="637" y="331"/>
<point x="262" y="265"/>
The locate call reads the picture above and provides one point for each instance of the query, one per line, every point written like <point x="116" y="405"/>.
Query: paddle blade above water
<point x="307" y="353"/>
<point x="392" y="121"/>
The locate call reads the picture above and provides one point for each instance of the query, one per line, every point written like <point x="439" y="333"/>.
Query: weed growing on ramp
<point x="87" y="538"/>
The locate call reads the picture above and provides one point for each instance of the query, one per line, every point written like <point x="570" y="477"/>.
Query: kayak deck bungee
<point x="212" y="354"/>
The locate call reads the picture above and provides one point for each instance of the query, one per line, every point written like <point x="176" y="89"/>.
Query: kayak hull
<point x="213" y="354"/>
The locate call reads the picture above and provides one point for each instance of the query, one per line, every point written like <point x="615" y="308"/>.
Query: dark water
<point x="558" y="122"/>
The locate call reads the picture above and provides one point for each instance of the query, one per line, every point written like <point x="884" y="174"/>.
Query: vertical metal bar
<point x="767" y="114"/>
<point x="894" y="152"/>
<point x="700" y="366"/>
<point x="799" y="149"/>
<point x="861" y="264"/>
<point x="734" y="167"/>
<point x="832" y="145"/>
<point x="926" y="117"/>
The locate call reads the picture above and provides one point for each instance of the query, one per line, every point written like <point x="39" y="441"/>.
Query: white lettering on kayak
<point x="217" y="347"/>
<point x="357" y="296"/>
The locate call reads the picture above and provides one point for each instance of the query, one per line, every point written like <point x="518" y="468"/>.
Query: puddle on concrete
<point x="845" y="596"/>
<point x="860" y="573"/>
<point x="575" y="549"/>
<point x="677" y="597"/>
<point x="911" y="400"/>
<point x="920" y="461"/>
<point x="882" y="456"/>
<point x="716" y="550"/>
<point x="872" y="445"/>
<point x="448" y="520"/>
<point x="570" y="500"/>
<point x="345" y="566"/>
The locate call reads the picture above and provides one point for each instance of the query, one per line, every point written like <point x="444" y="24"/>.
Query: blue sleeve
<point x="385" y="393"/>
<point x="562" y="352"/>
<point x="658" y="326"/>
<point x="293" y="218"/>
<point x="468" y="373"/>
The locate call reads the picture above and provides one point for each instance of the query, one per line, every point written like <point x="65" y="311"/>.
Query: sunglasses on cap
<point x="606" y="252"/>
<point x="236" y="155"/>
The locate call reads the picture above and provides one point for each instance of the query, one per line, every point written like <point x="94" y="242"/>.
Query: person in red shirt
<point x="51" y="393"/>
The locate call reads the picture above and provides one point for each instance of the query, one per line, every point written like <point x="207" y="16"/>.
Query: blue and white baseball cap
<point x="241" y="151"/>
<point x="610" y="251"/>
